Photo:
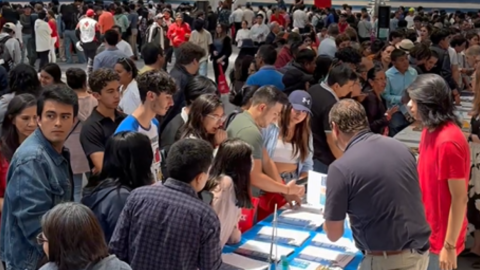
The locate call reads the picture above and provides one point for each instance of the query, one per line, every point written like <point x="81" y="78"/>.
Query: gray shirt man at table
<point x="376" y="184"/>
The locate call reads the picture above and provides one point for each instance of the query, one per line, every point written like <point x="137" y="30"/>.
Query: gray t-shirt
<point x="380" y="191"/>
<point x="4" y="101"/>
<point x="327" y="47"/>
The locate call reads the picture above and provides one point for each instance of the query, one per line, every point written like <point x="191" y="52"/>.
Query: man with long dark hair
<point x="443" y="168"/>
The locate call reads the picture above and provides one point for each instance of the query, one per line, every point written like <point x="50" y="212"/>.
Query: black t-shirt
<point x="322" y="101"/>
<point x="96" y="130"/>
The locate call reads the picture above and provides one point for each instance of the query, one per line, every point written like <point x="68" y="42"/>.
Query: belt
<point x="386" y="253"/>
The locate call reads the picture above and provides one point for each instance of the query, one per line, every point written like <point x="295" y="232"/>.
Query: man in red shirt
<point x="443" y="168"/>
<point x="343" y="24"/>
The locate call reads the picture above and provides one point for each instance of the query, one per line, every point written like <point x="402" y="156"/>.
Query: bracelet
<point x="449" y="246"/>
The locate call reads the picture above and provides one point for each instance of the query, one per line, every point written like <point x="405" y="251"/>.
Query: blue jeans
<point x="203" y="70"/>
<point x="398" y="122"/>
<point x="77" y="187"/>
<point x="433" y="262"/>
<point x="27" y="48"/>
<point x="70" y="39"/>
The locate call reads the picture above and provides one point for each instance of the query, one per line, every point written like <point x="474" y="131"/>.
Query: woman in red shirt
<point x="278" y="17"/>
<point x="54" y="42"/>
<point x="178" y="32"/>
<point x="20" y="121"/>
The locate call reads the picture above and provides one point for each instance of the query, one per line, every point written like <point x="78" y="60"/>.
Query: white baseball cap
<point x="10" y="26"/>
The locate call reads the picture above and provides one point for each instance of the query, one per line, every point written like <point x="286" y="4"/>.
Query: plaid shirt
<point x="167" y="227"/>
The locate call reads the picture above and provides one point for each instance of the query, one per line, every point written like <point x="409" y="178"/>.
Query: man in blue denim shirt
<point x="39" y="178"/>
<point x="399" y="78"/>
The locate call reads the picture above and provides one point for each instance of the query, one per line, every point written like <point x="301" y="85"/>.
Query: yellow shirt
<point x="145" y="69"/>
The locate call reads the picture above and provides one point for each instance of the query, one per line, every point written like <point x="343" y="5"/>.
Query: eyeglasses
<point x="41" y="239"/>
<point x="219" y="119"/>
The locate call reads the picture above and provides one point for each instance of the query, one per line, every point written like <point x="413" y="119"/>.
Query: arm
<point x="446" y="72"/>
<point x="372" y="111"/>
<point x="96" y="63"/>
<point x="33" y="198"/>
<point x="389" y="96"/>
<point x="210" y="253"/>
<point x="91" y="140"/>
<point x="452" y="168"/>
<point x="307" y="164"/>
<point x="270" y="168"/>
<point x="336" y="205"/>
<point x="227" y="48"/>
<point x="115" y="211"/>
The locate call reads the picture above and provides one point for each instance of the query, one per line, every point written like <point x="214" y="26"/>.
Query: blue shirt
<point x="39" y="178"/>
<point x="131" y="123"/>
<point x="266" y="75"/>
<point x="108" y="58"/>
<point x="327" y="47"/>
<point x="397" y="83"/>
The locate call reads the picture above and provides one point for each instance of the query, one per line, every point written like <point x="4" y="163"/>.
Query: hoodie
<point x="109" y="263"/>
<point x="106" y="201"/>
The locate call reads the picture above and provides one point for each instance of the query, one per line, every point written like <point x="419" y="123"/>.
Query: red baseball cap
<point x="90" y="13"/>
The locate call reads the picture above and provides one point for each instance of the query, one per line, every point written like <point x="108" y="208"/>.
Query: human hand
<point x="220" y="136"/>
<point x="215" y="53"/>
<point x="294" y="189"/>
<point x="293" y="198"/>
<point x="219" y="61"/>
<point x="392" y="110"/>
<point x="448" y="259"/>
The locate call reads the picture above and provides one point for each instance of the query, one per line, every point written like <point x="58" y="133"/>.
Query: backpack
<point x="230" y="117"/>
<point x="5" y="55"/>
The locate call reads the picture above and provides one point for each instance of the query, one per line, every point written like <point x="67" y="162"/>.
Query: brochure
<point x="261" y="250"/>
<point x="342" y="245"/>
<point x="326" y="257"/>
<point x="305" y="217"/>
<point x="283" y="236"/>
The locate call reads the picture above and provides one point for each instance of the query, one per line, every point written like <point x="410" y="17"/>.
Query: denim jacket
<point x="38" y="179"/>
<point x="270" y="138"/>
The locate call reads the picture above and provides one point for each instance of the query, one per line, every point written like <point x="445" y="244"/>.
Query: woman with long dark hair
<point x="50" y="74"/>
<point x="72" y="238"/>
<point x="20" y="122"/>
<point x="230" y="184"/>
<point x="205" y="120"/>
<point x="382" y="58"/>
<point x="126" y="166"/>
<point x="374" y="104"/>
<point x="222" y="49"/>
<point x="289" y="143"/>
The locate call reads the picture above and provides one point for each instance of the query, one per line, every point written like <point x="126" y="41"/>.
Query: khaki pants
<point x="133" y="41"/>
<point x="408" y="260"/>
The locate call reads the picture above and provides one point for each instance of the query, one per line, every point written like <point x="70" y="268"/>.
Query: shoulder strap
<point x="74" y="127"/>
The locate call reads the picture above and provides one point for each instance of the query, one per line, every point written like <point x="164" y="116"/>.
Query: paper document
<point x="299" y="264"/>
<point x="342" y="245"/>
<point x="326" y="257"/>
<point x="283" y="236"/>
<point x="232" y="261"/>
<point x="261" y="250"/>
<point x="316" y="191"/>
<point x="306" y="216"/>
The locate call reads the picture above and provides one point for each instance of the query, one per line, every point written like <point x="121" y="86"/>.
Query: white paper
<point x="316" y="191"/>
<point x="316" y="254"/>
<point x="243" y="262"/>
<point x="254" y="249"/>
<point x="285" y="236"/>
<point x="343" y="242"/>
<point x="304" y="216"/>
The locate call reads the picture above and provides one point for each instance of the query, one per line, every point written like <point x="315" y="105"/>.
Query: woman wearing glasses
<point x="289" y="142"/>
<point x="73" y="239"/>
<point x="205" y="121"/>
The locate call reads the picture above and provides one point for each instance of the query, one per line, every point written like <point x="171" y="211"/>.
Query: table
<point x="250" y="234"/>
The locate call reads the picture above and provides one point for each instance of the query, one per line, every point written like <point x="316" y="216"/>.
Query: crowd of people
<point x="122" y="167"/>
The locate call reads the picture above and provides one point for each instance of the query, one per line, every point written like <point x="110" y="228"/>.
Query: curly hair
<point x="100" y="78"/>
<point x="23" y="79"/>
<point x="187" y="52"/>
<point x="155" y="81"/>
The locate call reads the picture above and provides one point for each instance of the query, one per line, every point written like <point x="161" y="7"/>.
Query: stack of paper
<point x="261" y="251"/>
<point x="304" y="217"/>
<point x="299" y="264"/>
<point x="283" y="236"/>
<point x="326" y="257"/>
<point x="232" y="261"/>
<point x="342" y="245"/>
<point x="316" y="191"/>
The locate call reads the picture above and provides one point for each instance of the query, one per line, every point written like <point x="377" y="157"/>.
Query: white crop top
<point x="283" y="153"/>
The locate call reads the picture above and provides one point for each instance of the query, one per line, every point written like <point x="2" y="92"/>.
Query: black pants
<point x="216" y="69"/>
<point x="168" y="57"/>
<point x="43" y="59"/>
<point x="90" y="49"/>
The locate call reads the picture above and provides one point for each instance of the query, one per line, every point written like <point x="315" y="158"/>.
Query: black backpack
<point x="5" y="55"/>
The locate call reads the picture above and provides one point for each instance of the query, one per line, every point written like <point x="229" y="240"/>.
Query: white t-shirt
<point x="453" y="56"/>
<point x="130" y="123"/>
<point x="130" y="98"/>
<point x="202" y="39"/>
<point x="124" y="47"/>
<point x="241" y="35"/>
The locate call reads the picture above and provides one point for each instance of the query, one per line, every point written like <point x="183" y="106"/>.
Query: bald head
<point x="473" y="51"/>
<point x="348" y="116"/>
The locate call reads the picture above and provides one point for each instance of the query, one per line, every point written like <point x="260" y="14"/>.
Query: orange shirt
<point x="105" y="22"/>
